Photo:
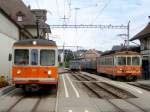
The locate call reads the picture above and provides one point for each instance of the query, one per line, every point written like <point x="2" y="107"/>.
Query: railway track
<point x="106" y="91"/>
<point x="38" y="101"/>
<point x="102" y="88"/>
<point x="142" y="86"/>
<point x="10" y="108"/>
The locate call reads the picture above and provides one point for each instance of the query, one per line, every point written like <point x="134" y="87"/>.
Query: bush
<point x="3" y="81"/>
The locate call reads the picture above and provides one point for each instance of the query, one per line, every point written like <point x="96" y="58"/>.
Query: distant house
<point x="28" y="19"/>
<point x="90" y="54"/>
<point x="144" y="37"/>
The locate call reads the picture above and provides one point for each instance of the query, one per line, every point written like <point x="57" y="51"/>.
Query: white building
<point x="9" y="33"/>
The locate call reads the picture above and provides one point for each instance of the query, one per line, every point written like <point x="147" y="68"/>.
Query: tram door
<point x="145" y="68"/>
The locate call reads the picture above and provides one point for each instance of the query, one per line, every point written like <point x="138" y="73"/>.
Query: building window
<point x="144" y="44"/>
<point x="20" y="16"/>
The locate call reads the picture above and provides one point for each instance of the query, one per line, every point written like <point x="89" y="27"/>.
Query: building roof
<point x="13" y="7"/>
<point x="143" y="34"/>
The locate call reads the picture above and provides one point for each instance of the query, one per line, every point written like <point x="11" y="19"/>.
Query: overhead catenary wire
<point x="64" y="16"/>
<point x="100" y="12"/>
<point x="64" y="8"/>
<point x="37" y="4"/>
<point x="97" y="16"/>
<point x="69" y="6"/>
<point x="57" y="8"/>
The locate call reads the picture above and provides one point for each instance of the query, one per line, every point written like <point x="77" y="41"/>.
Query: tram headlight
<point x="34" y="43"/>
<point x="19" y="72"/>
<point x="49" y="72"/>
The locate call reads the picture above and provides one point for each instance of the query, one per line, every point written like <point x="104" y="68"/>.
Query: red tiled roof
<point x="143" y="34"/>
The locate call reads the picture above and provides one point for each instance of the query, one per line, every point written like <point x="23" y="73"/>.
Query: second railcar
<point x="120" y="64"/>
<point x="74" y="65"/>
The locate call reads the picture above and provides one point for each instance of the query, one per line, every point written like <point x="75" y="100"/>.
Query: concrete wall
<point x="9" y="33"/>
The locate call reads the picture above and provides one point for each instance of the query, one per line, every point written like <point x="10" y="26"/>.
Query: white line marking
<point x="56" y="106"/>
<point x="66" y="90"/>
<point x="69" y="110"/>
<point x="76" y="91"/>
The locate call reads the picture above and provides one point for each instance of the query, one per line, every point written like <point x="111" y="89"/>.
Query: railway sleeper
<point x="122" y="94"/>
<point x="88" y="77"/>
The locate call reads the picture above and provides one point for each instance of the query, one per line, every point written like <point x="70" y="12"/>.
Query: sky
<point x="95" y="12"/>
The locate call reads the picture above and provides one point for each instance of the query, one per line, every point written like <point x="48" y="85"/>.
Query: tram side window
<point x="102" y="61"/>
<point x="135" y="61"/>
<point x="21" y="57"/>
<point x="121" y="61"/>
<point x="34" y="57"/>
<point x="47" y="57"/>
<point x="128" y="60"/>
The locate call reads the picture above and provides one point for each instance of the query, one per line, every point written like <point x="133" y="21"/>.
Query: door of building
<point x="145" y="68"/>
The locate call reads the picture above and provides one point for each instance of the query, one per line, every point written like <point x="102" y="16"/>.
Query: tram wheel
<point x="113" y="77"/>
<point x="131" y="78"/>
<point x="134" y="78"/>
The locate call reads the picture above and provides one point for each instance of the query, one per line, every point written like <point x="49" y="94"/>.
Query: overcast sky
<point x="115" y="12"/>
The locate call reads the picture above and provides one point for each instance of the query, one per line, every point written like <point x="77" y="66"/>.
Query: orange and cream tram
<point x="125" y="64"/>
<point x="35" y="63"/>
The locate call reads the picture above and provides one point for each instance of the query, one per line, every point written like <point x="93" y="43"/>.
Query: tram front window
<point x="135" y="61"/>
<point x="47" y="57"/>
<point x="21" y="57"/>
<point x="34" y="57"/>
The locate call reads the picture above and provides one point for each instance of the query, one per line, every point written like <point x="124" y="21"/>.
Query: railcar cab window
<point x="121" y="60"/>
<point x="34" y="57"/>
<point x="21" y="57"/>
<point x="135" y="60"/>
<point x="47" y="57"/>
<point x="129" y="60"/>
